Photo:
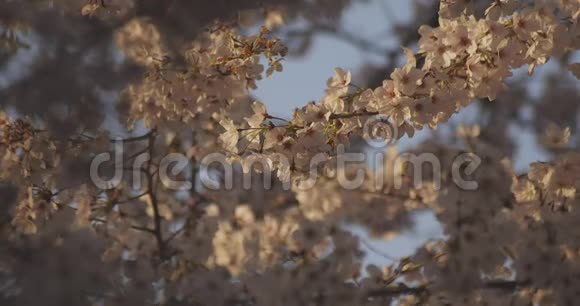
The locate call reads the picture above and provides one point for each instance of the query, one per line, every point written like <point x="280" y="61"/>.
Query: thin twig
<point x="153" y="198"/>
<point x="374" y="250"/>
<point x="350" y="115"/>
<point x="133" y="198"/>
<point x="402" y="289"/>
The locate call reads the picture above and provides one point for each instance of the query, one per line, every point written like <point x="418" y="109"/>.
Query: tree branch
<point x="350" y="115"/>
<point x="402" y="289"/>
<point x="153" y="198"/>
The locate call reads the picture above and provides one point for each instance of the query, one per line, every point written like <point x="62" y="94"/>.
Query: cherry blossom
<point x="265" y="232"/>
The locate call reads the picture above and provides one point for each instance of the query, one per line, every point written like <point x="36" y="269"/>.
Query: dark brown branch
<point x="133" y="198"/>
<point x="350" y="115"/>
<point x="396" y="290"/>
<point x="402" y="289"/>
<point x="153" y="198"/>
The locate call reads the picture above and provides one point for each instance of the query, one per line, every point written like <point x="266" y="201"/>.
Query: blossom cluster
<point x="464" y="59"/>
<point x="216" y="72"/>
<point x="512" y="241"/>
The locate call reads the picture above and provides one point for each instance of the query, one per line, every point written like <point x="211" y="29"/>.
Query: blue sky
<point x="304" y="79"/>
